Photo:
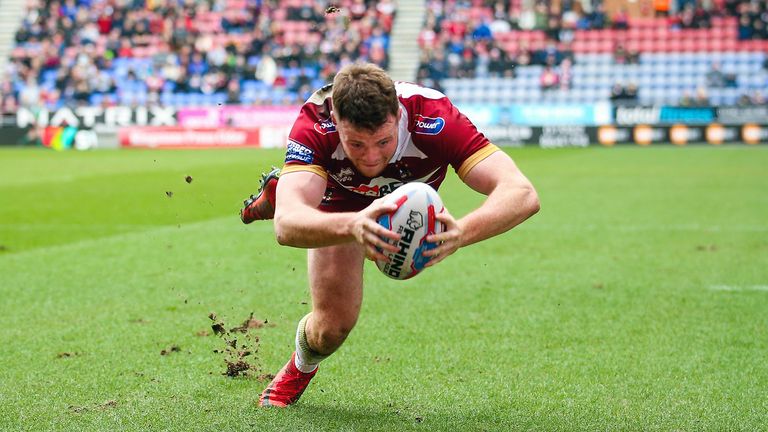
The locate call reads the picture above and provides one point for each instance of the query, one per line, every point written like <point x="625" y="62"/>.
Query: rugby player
<point x="353" y="142"/>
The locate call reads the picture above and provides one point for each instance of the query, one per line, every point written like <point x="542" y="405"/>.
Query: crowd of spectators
<point x="622" y="55"/>
<point x="83" y="51"/>
<point x="624" y="94"/>
<point x="753" y="17"/>
<point x="70" y="50"/>
<point x="451" y="49"/>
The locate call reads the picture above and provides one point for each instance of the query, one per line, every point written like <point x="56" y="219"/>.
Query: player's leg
<point x="262" y="206"/>
<point x="336" y="284"/>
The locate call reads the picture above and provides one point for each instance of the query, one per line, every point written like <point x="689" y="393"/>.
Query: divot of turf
<point x="236" y="352"/>
<point x="171" y="349"/>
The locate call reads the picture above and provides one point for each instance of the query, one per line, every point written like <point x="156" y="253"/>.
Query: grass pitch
<point x="636" y="300"/>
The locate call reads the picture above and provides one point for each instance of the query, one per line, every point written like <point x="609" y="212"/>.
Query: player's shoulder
<point x="314" y="121"/>
<point x="421" y="101"/>
<point x="418" y="98"/>
<point x="318" y="105"/>
<point x="429" y="110"/>
<point x="313" y="136"/>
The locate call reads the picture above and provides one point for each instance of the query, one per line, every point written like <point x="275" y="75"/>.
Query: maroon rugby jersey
<point x="432" y="135"/>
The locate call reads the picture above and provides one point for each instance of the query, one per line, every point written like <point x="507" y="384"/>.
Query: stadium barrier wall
<point x="609" y="135"/>
<point x="569" y="125"/>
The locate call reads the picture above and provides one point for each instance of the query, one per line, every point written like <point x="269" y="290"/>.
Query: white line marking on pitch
<point x="763" y="288"/>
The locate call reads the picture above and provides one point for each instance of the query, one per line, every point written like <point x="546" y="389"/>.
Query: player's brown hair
<point x="364" y="95"/>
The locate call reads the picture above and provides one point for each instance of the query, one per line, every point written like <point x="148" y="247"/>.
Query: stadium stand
<point x="187" y="52"/>
<point x="505" y="51"/>
<point x="275" y="52"/>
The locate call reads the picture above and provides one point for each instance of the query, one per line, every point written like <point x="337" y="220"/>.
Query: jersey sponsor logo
<point x="299" y="153"/>
<point x="325" y="127"/>
<point x="428" y="125"/>
<point x="377" y="188"/>
<point x="344" y="175"/>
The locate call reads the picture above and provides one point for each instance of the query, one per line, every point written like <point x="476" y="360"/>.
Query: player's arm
<point x="299" y="223"/>
<point x="511" y="200"/>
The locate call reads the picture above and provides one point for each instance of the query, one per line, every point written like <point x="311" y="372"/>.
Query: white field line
<point x="739" y="288"/>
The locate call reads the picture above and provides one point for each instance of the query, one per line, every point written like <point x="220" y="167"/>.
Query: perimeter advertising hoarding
<point x="742" y="115"/>
<point x="97" y="117"/>
<point x="121" y="116"/>
<point x="178" y="137"/>
<point x="238" y="116"/>
<point x="680" y="134"/>
<point x="669" y="115"/>
<point x="54" y="137"/>
<point x="538" y="114"/>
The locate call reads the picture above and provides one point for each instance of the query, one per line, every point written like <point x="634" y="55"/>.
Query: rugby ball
<point x="417" y="204"/>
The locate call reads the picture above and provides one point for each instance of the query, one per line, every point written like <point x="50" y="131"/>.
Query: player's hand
<point x="369" y="233"/>
<point x="448" y="241"/>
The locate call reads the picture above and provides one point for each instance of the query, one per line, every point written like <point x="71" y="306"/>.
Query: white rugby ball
<point x="417" y="204"/>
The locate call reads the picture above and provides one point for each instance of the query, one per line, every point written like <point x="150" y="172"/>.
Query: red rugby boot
<point x="262" y="206"/>
<point x="287" y="386"/>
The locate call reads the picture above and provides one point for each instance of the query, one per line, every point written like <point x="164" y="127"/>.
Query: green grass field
<point x="637" y="299"/>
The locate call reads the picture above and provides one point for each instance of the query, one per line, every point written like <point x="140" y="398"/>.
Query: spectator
<point x="744" y="100"/>
<point x="689" y="100"/>
<point x="266" y="71"/>
<point x="540" y="15"/>
<point x="661" y="7"/>
<point x="758" y="99"/>
<point x="501" y="20"/>
<point x="618" y="92"/>
<point x="428" y="34"/>
<point x="620" y="54"/>
<point x="468" y="64"/>
<point x="630" y="94"/>
<point x="597" y="19"/>
<point x="553" y="28"/>
<point x="621" y="95"/>
<point x="547" y="55"/>
<point x="633" y="56"/>
<point x="438" y="66"/>
<point x="523" y="56"/>
<point x="701" y="16"/>
<point x="566" y="74"/>
<point x="759" y="29"/>
<point x="745" y="30"/>
<point x="715" y="77"/>
<point x="500" y="65"/>
<point x="29" y="96"/>
<point x="423" y="79"/>
<point x="481" y="31"/>
<point x="702" y="98"/>
<point x="549" y="79"/>
<point x="233" y="93"/>
<point x="620" y="20"/>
